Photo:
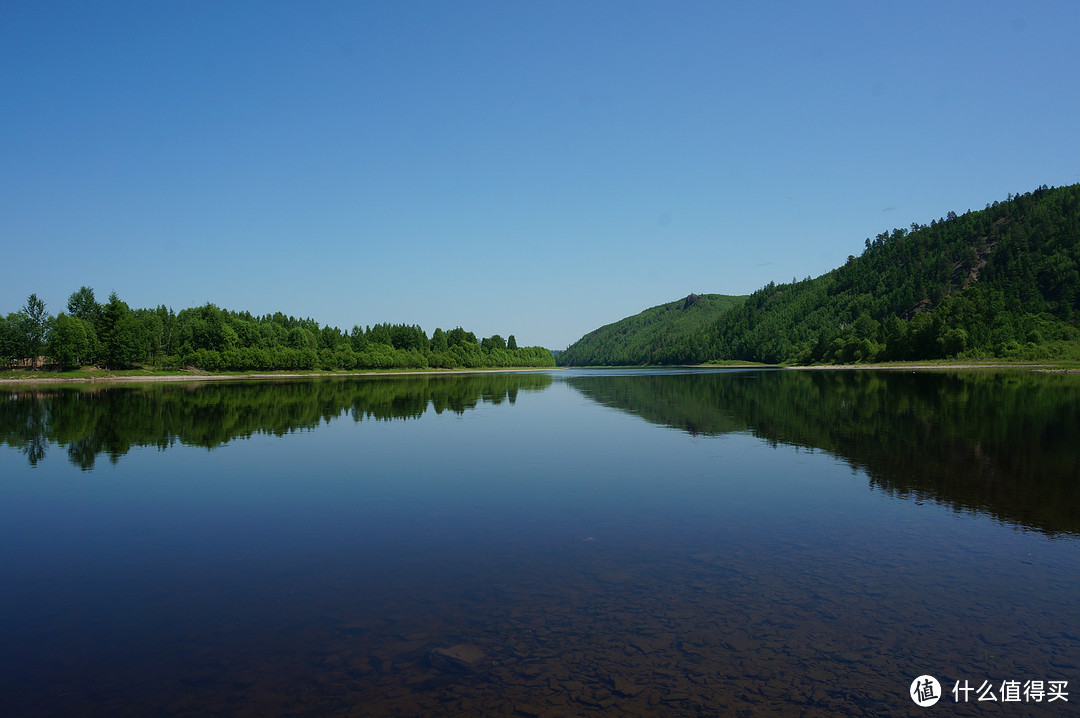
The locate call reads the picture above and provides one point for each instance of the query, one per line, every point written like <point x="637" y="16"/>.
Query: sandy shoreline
<point x="195" y="377"/>
<point x="1034" y="367"/>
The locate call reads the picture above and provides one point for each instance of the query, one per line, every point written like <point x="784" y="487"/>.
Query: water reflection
<point x="996" y="442"/>
<point x="92" y="421"/>
<point x="560" y="556"/>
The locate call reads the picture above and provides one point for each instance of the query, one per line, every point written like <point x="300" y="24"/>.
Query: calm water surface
<point x="572" y="543"/>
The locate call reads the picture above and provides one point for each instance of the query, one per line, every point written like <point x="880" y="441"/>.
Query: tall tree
<point x="123" y="337"/>
<point x="35" y="326"/>
<point x="83" y="305"/>
<point x="69" y="343"/>
<point x="11" y="339"/>
<point x="493" y="342"/>
<point x="438" y="340"/>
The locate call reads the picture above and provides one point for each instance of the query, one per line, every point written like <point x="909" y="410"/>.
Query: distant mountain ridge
<point x="999" y="282"/>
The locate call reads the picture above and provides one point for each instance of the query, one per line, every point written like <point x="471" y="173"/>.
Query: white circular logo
<point x="925" y="691"/>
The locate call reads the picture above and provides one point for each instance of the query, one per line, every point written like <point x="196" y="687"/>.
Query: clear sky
<point x="528" y="168"/>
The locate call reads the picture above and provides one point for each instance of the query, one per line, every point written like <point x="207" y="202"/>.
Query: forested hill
<point x="671" y="333"/>
<point x="999" y="282"/>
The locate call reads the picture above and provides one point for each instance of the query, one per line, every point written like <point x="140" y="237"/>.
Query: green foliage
<point x="82" y="305"/>
<point x="671" y="333"/>
<point x="69" y="341"/>
<point x="24" y="334"/>
<point x="216" y="339"/>
<point x="34" y="325"/>
<point x="12" y="339"/>
<point x="979" y="284"/>
<point x="438" y="341"/>
<point x="493" y="343"/>
<point x="124" y="339"/>
<point x="1001" y="282"/>
<point x="458" y="337"/>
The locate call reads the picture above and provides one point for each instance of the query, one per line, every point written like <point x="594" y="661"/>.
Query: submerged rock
<point x="460" y="657"/>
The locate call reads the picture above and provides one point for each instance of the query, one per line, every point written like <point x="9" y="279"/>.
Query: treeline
<point x="1001" y="282"/>
<point x="113" y="335"/>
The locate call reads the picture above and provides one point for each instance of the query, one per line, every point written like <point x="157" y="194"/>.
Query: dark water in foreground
<point x="580" y="543"/>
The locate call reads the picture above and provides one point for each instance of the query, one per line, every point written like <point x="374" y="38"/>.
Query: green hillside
<point x="999" y="282"/>
<point x="672" y="333"/>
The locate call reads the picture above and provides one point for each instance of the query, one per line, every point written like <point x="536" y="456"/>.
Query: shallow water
<point x="579" y="543"/>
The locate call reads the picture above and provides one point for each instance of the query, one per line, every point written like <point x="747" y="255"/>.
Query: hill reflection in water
<point x="996" y="442"/>
<point x="580" y="543"/>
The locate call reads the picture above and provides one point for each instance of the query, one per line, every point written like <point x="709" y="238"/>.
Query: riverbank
<point x="1068" y="367"/>
<point x="1062" y="368"/>
<point x="1032" y="367"/>
<point x="138" y="376"/>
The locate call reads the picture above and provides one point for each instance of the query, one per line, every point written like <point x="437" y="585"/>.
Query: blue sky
<point x="537" y="169"/>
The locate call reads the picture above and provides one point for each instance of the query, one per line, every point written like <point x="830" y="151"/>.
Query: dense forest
<point x="115" y="336"/>
<point x="671" y="333"/>
<point x="1000" y="282"/>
